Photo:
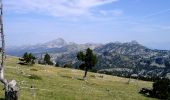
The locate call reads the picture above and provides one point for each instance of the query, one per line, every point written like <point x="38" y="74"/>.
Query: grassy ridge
<point x="66" y="84"/>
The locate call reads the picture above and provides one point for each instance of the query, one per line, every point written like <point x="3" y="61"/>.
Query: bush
<point x="57" y="64"/>
<point x="93" y="76"/>
<point x="67" y="66"/>
<point x="35" y="77"/>
<point x="33" y="69"/>
<point x="161" y="89"/>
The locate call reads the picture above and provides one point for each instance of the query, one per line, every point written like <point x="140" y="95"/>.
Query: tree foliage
<point x="57" y="64"/>
<point x="81" y="56"/>
<point x="89" y="60"/>
<point x="27" y="59"/>
<point x="47" y="59"/>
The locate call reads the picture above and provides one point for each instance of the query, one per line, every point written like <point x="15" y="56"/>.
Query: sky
<point x="29" y="22"/>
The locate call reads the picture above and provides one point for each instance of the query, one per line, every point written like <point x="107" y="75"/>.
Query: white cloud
<point x="56" y="7"/>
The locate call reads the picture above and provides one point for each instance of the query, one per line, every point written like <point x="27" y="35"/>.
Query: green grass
<point x="52" y="83"/>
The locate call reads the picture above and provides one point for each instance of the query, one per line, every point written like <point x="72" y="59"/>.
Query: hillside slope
<point x="52" y="83"/>
<point x="120" y="59"/>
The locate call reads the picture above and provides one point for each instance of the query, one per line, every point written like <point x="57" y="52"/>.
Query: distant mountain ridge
<point x="57" y="45"/>
<point x="122" y="59"/>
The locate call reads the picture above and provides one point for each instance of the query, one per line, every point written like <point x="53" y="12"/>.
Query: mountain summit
<point x="57" y="43"/>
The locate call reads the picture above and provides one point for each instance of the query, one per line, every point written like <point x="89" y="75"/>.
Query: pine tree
<point x="47" y="59"/>
<point x="89" y="60"/>
<point x="28" y="58"/>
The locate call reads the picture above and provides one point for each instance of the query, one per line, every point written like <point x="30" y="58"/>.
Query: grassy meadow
<point x="50" y="83"/>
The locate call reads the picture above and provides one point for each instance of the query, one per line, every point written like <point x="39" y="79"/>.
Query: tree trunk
<point x="85" y="74"/>
<point x="129" y="79"/>
<point x="11" y="91"/>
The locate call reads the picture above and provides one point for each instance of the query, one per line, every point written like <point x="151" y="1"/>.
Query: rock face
<point x="122" y="59"/>
<point x="58" y="43"/>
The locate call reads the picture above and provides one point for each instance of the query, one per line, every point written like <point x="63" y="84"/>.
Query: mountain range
<point x="115" y="58"/>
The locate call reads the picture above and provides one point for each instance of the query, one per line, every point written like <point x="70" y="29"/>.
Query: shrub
<point x="67" y="66"/>
<point x="33" y="69"/>
<point x="161" y="89"/>
<point x="35" y="77"/>
<point x="57" y="64"/>
<point x="93" y="76"/>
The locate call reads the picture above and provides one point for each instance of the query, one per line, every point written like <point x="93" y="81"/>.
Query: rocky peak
<point x="56" y="43"/>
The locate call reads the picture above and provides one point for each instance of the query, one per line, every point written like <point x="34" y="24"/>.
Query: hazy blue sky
<point x="101" y="21"/>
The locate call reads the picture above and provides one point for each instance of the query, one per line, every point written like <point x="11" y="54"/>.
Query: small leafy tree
<point x="89" y="60"/>
<point x="47" y="59"/>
